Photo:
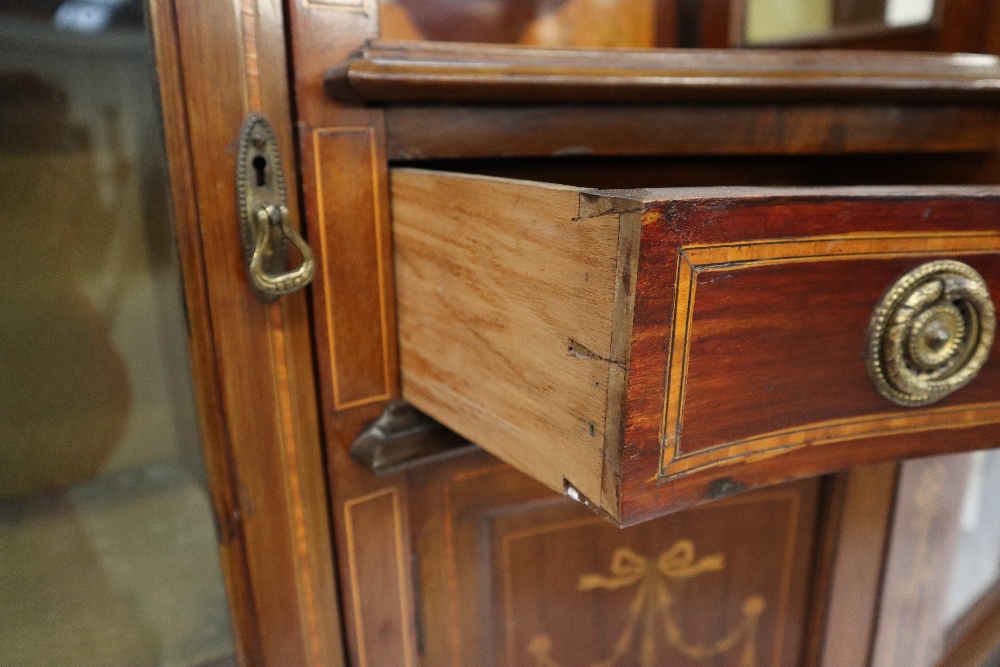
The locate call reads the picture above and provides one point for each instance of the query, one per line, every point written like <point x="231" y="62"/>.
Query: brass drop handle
<point x="273" y="227"/>
<point x="931" y="333"/>
<point x="265" y="222"/>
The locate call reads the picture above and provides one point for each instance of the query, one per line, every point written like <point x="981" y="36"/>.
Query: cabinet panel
<point x="512" y="575"/>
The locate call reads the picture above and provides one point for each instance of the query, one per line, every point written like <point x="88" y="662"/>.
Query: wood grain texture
<point x="355" y="319"/>
<point x="851" y="215"/>
<point x="218" y="61"/>
<point x="779" y="330"/>
<point x="295" y="378"/>
<point x="860" y="516"/>
<point x="502" y="563"/>
<point x="467" y="73"/>
<point x="517" y="355"/>
<point x="346" y="206"/>
<point x="220" y="471"/>
<point x="254" y="371"/>
<point x="417" y="132"/>
<point x="753" y="299"/>
<point x="372" y="522"/>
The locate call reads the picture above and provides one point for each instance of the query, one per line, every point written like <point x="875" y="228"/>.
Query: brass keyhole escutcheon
<point x="266" y="230"/>
<point x="931" y="333"/>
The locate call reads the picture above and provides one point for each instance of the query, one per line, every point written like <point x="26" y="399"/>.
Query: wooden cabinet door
<point x="217" y="62"/>
<point x="510" y="574"/>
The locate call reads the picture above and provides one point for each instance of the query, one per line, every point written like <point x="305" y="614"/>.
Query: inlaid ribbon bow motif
<point x="650" y="612"/>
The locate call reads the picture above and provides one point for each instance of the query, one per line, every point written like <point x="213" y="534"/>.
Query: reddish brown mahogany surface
<point x="774" y="361"/>
<point x="254" y="368"/>
<point x="346" y="216"/>
<point x="779" y="366"/>
<point x="252" y="363"/>
<point x="436" y="72"/>
<point x="438" y="131"/>
<point x="512" y="574"/>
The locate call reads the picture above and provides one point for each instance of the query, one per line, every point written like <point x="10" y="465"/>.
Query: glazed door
<point x="107" y="543"/>
<point x="157" y="500"/>
<point x="161" y="492"/>
<point x="218" y="63"/>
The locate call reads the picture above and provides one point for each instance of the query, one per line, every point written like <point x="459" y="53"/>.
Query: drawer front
<point x="649" y="350"/>
<point x="770" y="356"/>
<point x="765" y="339"/>
<point x="770" y="352"/>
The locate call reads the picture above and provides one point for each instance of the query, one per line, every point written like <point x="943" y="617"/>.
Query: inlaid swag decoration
<point x="651" y="622"/>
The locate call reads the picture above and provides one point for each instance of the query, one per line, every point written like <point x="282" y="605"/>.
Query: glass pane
<point x="900" y="13"/>
<point x="976" y="567"/>
<point x="779" y="20"/>
<point x="108" y="553"/>
<point x="773" y="20"/>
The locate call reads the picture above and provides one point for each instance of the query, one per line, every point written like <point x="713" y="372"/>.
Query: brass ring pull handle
<point x="272" y="224"/>
<point x="931" y="333"/>
<point x="266" y="230"/>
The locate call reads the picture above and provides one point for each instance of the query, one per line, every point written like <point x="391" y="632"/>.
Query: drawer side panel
<point x="505" y="303"/>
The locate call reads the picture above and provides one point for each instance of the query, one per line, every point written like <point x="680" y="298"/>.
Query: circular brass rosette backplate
<point x="931" y="333"/>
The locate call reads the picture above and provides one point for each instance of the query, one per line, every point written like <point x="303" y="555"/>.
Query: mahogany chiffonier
<point x="552" y="355"/>
<point x="646" y="335"/>
<point x="650" y="282"/>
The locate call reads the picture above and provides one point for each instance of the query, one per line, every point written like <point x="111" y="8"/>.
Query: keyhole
<point x="260" y="166"/>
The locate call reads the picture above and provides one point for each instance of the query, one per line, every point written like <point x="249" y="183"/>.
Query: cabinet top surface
<point x="442" y="72"/>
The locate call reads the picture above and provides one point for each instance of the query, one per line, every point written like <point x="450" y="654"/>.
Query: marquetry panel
<point x="512" y="575"/>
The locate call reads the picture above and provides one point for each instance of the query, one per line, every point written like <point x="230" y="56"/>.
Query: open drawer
<point x="645" y="350"/>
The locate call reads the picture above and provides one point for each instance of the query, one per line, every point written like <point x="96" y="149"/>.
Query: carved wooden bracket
<point x="403" y="437"/>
